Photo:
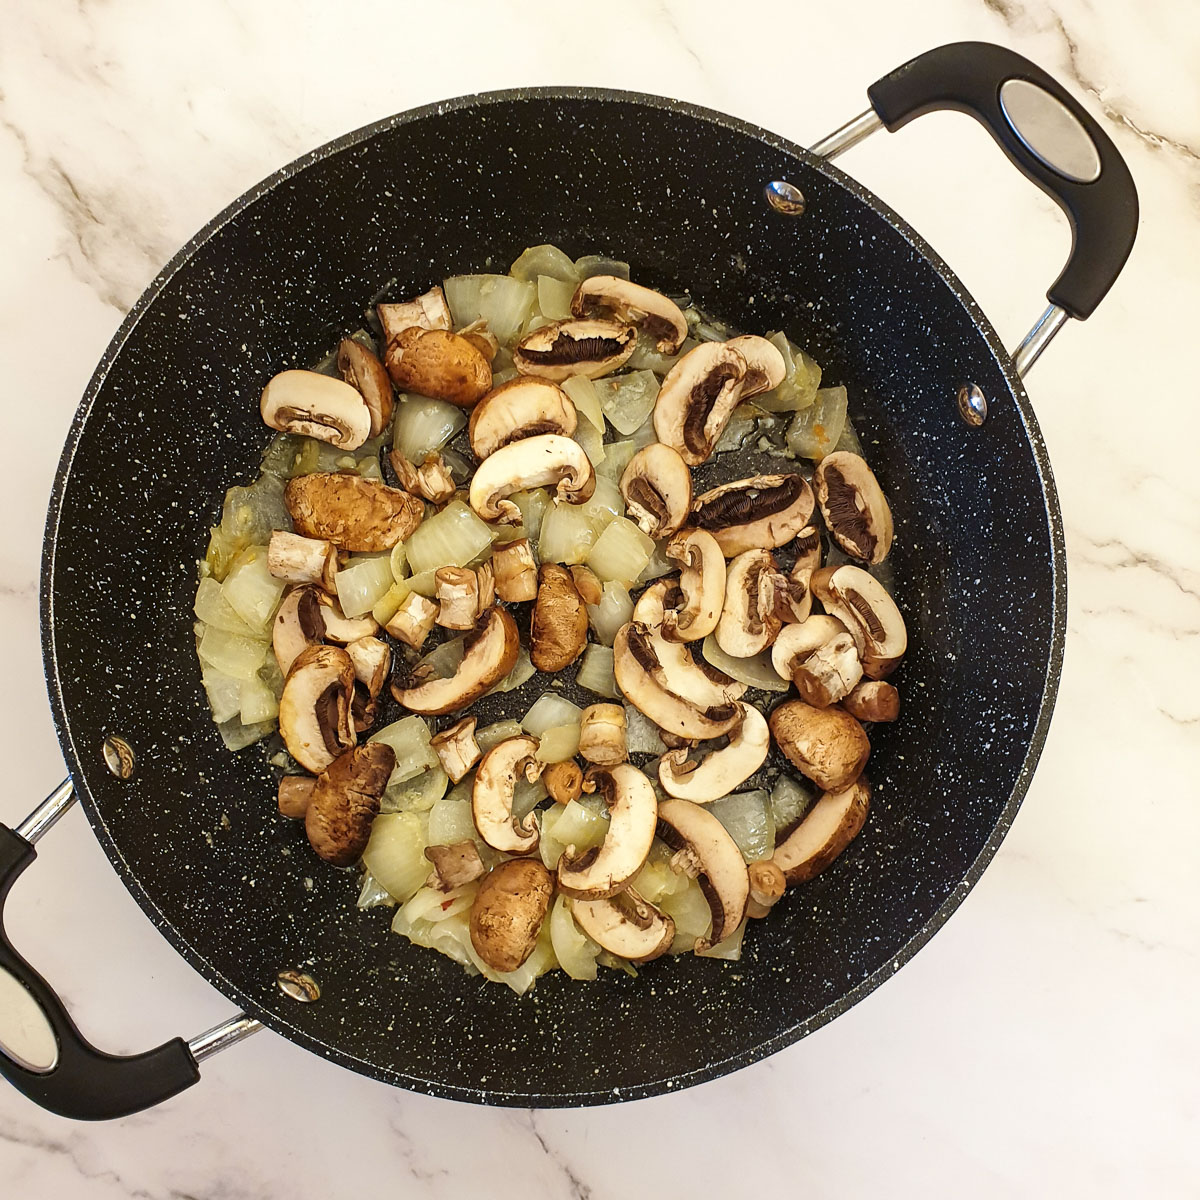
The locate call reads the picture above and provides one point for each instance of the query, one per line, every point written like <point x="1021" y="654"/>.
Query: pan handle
<point x="43" y="1054"/>
<point x="1050" y="138"/>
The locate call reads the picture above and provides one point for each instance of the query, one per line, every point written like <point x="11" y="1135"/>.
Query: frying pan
<point x="763" y="234"/>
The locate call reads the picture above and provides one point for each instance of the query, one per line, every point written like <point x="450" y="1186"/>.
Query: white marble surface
<point x="1046" y="1041"/>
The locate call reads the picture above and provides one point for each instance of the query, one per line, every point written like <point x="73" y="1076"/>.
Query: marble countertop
<point x="1045" y="1042"/>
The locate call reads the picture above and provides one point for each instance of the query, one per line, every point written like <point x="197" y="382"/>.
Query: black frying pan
<point x="171" y="419"/>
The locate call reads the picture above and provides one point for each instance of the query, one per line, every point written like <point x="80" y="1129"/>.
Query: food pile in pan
<point x="493" y="499"/>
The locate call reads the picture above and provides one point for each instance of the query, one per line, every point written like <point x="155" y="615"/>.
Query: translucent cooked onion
<point x="748" y="818"/>
<point x="596" y="671"/>
<point x="523" y="670"/>
<point x="385" y="607"/>
<point x="616" y="459"/>
<point x="554" y="297"/>
<point x="801" y="379"/>
<point x="755" y="671"/>
<point x="492" y="735"/>
<point x="658" y="566"/>
<point x="627" y="400"/>
<point x="743" y="425"/>
<point x="251" y="590"/>
<point x="790" y="801"/>
<point x="815" y="430"/>
<point x="527" y="795"/>
<point x="575" y="951"/>
<point x="548" y="711"/>
<point x="692" y="916"/>
<point x="730" y="949"/>
<point x="575" y="824"/>
<point x="443" y="660"/>
<point x="582" y="392"/>
<point x="430" y="904"/>
<point x="558" y="744"/>
<point x="363" y="582"/>
<point x="545" y="260"/>
<point x="451" y="938"/>
<point x="231" y="654"/>
<point x="409" y="738"/>
<point x="656" y="879"/>
<point x="614" y="609"/>
<point x="237" y="736"/>
<point x="214" y="609"/>
<point x="588" y="436"/>
<point x="289" y="455"/>
<point x="372" y="893"/>
<point x="621" y="552"/>
<point x="601" y="264"/>
<point x="450" y="538"/>
<point x="398" y="561"/>
<point x="424" y="425"/>
<point x="224" y="694"/>
<point x="418" y="794"/>
<point x="504" y="302"/>
<point x="450" y="822"/>
<point x="256" y="702"/>
<point x="648" y="357"/>
<point x="395" y="854"/>
<point x="568" y="532"/>
<point x="533" y="505"/>
<point x="641" y="734"/>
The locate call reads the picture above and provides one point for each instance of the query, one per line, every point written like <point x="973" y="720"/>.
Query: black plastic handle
<point x="85" y="1083"/>
<point x="967" y="77"/>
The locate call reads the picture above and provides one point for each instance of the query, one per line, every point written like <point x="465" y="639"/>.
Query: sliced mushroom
<point x="765" y="368"/>
<point x="515" y="571"/>
<point x="819" y="657"/>
<point x="522" y="407"/>
<point x="606" y="869"/>
<point x="295" y="794"/>
<point x="632" y="304"/>
<point x="701" y="586"/>
<point x="602" y="734"/>
<point x="413" y="621"/>
<point x="697" y="398"/>
<point x="345" y="802"/>
<point x="296" y="559"/>
<point x="762" y="512"/>
<point x="827" y="829"/>
<point x="826" y="744"/>
<point x="298" y="625"/>
<point x="794" y="600"/>
<point x="372" y="660"/>
<point x="863" y="605"/>
<point x="625" y="925"/>
<point x="438" y="363"/>
<point x="767" y="885"/>
<point x="364" y="372"/>
<point x="508" y="911"/>
<point x="559" y="628"/>
<point x="854" y="507"/>
<point x="314" y="709"/>
<point x="639" y="675"/>
<point x="532" y="462"/>
<point x="316" y="406"/>
<point x="873" y="700"/>
<point x="429" y="311"/>
<point x="748" y="623"/>
<point x="587" y="584"/>
<point x="563" y="781"/>
<point x="499" y="771"/>
<point x="657" y="487"/>
<point x="456" y="748"/>
<point x="489" y="653"/>
<point x="482" y="338"/>
<point x="694" y="833"/>
<point x="454" y="866"/>
<point x="351" y="512"/>
<point x="431" y="479"/>
<point x="565" y="348"/>
<point x="458" y="597"/>
<point x="720" y="771"/>
<point x="341" y="628"/>
<point x="487" y="588"/>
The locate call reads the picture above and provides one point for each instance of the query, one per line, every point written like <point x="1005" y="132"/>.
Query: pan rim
<point x="678" y="1081"/>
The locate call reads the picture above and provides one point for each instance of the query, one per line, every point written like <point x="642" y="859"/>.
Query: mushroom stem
<point x="297" y="559"/>
<point x="767" y="885"/>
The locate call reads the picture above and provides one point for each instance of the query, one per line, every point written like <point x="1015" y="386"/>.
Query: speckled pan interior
<point x="171" y="419"/>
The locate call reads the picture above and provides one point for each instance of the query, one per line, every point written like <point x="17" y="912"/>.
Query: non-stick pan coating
<point x="171" y="420"/>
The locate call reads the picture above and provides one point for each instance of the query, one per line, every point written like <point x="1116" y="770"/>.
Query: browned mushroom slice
<point x="873" y="700"/>
<point x="364" y="372"/>
<point x="697" y="398"/>
<point x="372" y="660"/>
<point x="863" y="605"/>
<point x="720" y="771"/>
<point x="748" y="623"/>
<point x="515" y="571"/>
<point x="657" y="487"/>
<point x="431" y="479"/>
<point x="587" y="584"/>
<point x="345" y="802"/>
<point x="496" y="778"/>
<point x="438" y="363"/>
<point x="819" y="656"/>
<point x="558" y="632"/>
<point x="854" y="507"/>
<point x="458" y="597"/>
<point x="532" y="462"/>
<point x="701" y="586"/>
<point x="826" y="744"/>
<point x="608" y="295"/>
<point x="522" y="407"/>
<point x="316" y="406"/>
<point x="765" y="368"/>
<point x="795" y="600"/>
<point x="457" y="749"/>
<point x="508" y="911"/>
<point x="454" y="866"/>
<point x="314" y="709"/>
<point x="565" y="348"/>
<point x="341" y="628"/>
<point x="625" y="925"/>
<point x="763" y="512"/>
<point x="295" y="794"/>
<point x="298" y="625"/>
<point x="827" y="829"/>
<point x="351" y="512"/>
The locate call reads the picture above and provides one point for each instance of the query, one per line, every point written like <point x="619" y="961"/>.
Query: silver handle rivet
<point x="118" y="756"/>
<point x="785" y="197"/>
<point x="972" y="405"/>
<point x="299" y="986"/>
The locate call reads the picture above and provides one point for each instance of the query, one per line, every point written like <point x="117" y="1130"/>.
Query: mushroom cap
<point x="826" y="830"/>
<point x="625" y="925"/>
<point x="701" y="586"/>
<point x="720" y="771"/>
<point x="765" y="368"/>
<point x="864" y="606"/>
<point x="697" y="398"/>
<point x="826" y="744"/>
<point x="365" y="373"/>
<point x="351" y="512"/>
<point x="508" y="911"/>
<point x="761" y="512"/>
<point x="606" y="869"/>
<point x="314" y="709"/>
<point x="298" y="624"/>
<point x="749" y="622"/>
<point x="492" y="795"/>
<point x="633" y="304"/>
<point x="548" y="458"/>
<point x="345" y="801"/>
<point x="855" y="509"/>
<point x="489" y="653"/>
<point x="558" y="629"/>
<point x="722" y="869"/>
<point x="872" y="700"/>
<point x="317" y="406"/>
<point x="438" y="363"/>
<point x="657" y="487"/>
<point x="564" y="348"/>
<point x="522" y="407"/>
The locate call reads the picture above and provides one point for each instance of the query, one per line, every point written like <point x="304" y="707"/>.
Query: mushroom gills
<point x="625" y="925"/>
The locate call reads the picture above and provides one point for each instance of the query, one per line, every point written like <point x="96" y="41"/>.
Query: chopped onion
<point x="616" y="459"/>
<point x="533" y="505"/>
<point x="224" y="694"/>
<point x="582" y="392"/>
<point x="575" y="951"/>
<point x="730" y="949"/>
<point x="257" y="702"/>
<point x="801" y="379"/>
<point x="613" y="611"/>
<point x="656" y="879"/>
<point x="523" y="670"/>
<point x="504" y="302"/>
<point x="568" y="532"/>
<point x="748" y="818"/>
<point x="418" y="794"/>
<point x="450" y="538"/>
<point x="363" y="583"/>
<point x="755" y="671"/>
<point x="409" y="738"/>
<point x="621" y="552"/>
<point x="658" y="566"/>
<point x="627" y="400"/>
<point x="237" y="736"/>
<point x="250" y="514"/>
<point x="545" y="260"/>
<point x="790" y="802"/>
<point x="550" y="710"/>
<point x="642" y="736"/>
<point x="372" y="893"/>
<point x="251" y="590"/>
<point x="815" y="430"/>
<point x="849" y="440"/>
<point x="424" y="425"/>
<point x="369" y="468"/>
<point x="588" y="436"/>
<point x="450" y="821"/>
<point x="692" y="916"/>
<point x="386" y="606"/>
<point x="554" y="297"/>
<point x="601" y="264"/>
<point x="430" y="904"/>
<point x="575" y="824"/>
<point x="451" y="938"/>
<point x="558" y="744"/>
<point x="230" y="653"/>
<point x="743" y="424"/>
<point x="443" y="660"/>
<point x="644" y="434"/>
<point x="214" y="609"/>
<point x="424" y="584"/>
<point x="289" y="455"/>
<point x="504" y="375"/>
<point x="596" y="671"/>
<point x="527" y="795"/>
<point x="398" y="561"/>
<point x="395" y="854"/>
<point x="493" y="735"/>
